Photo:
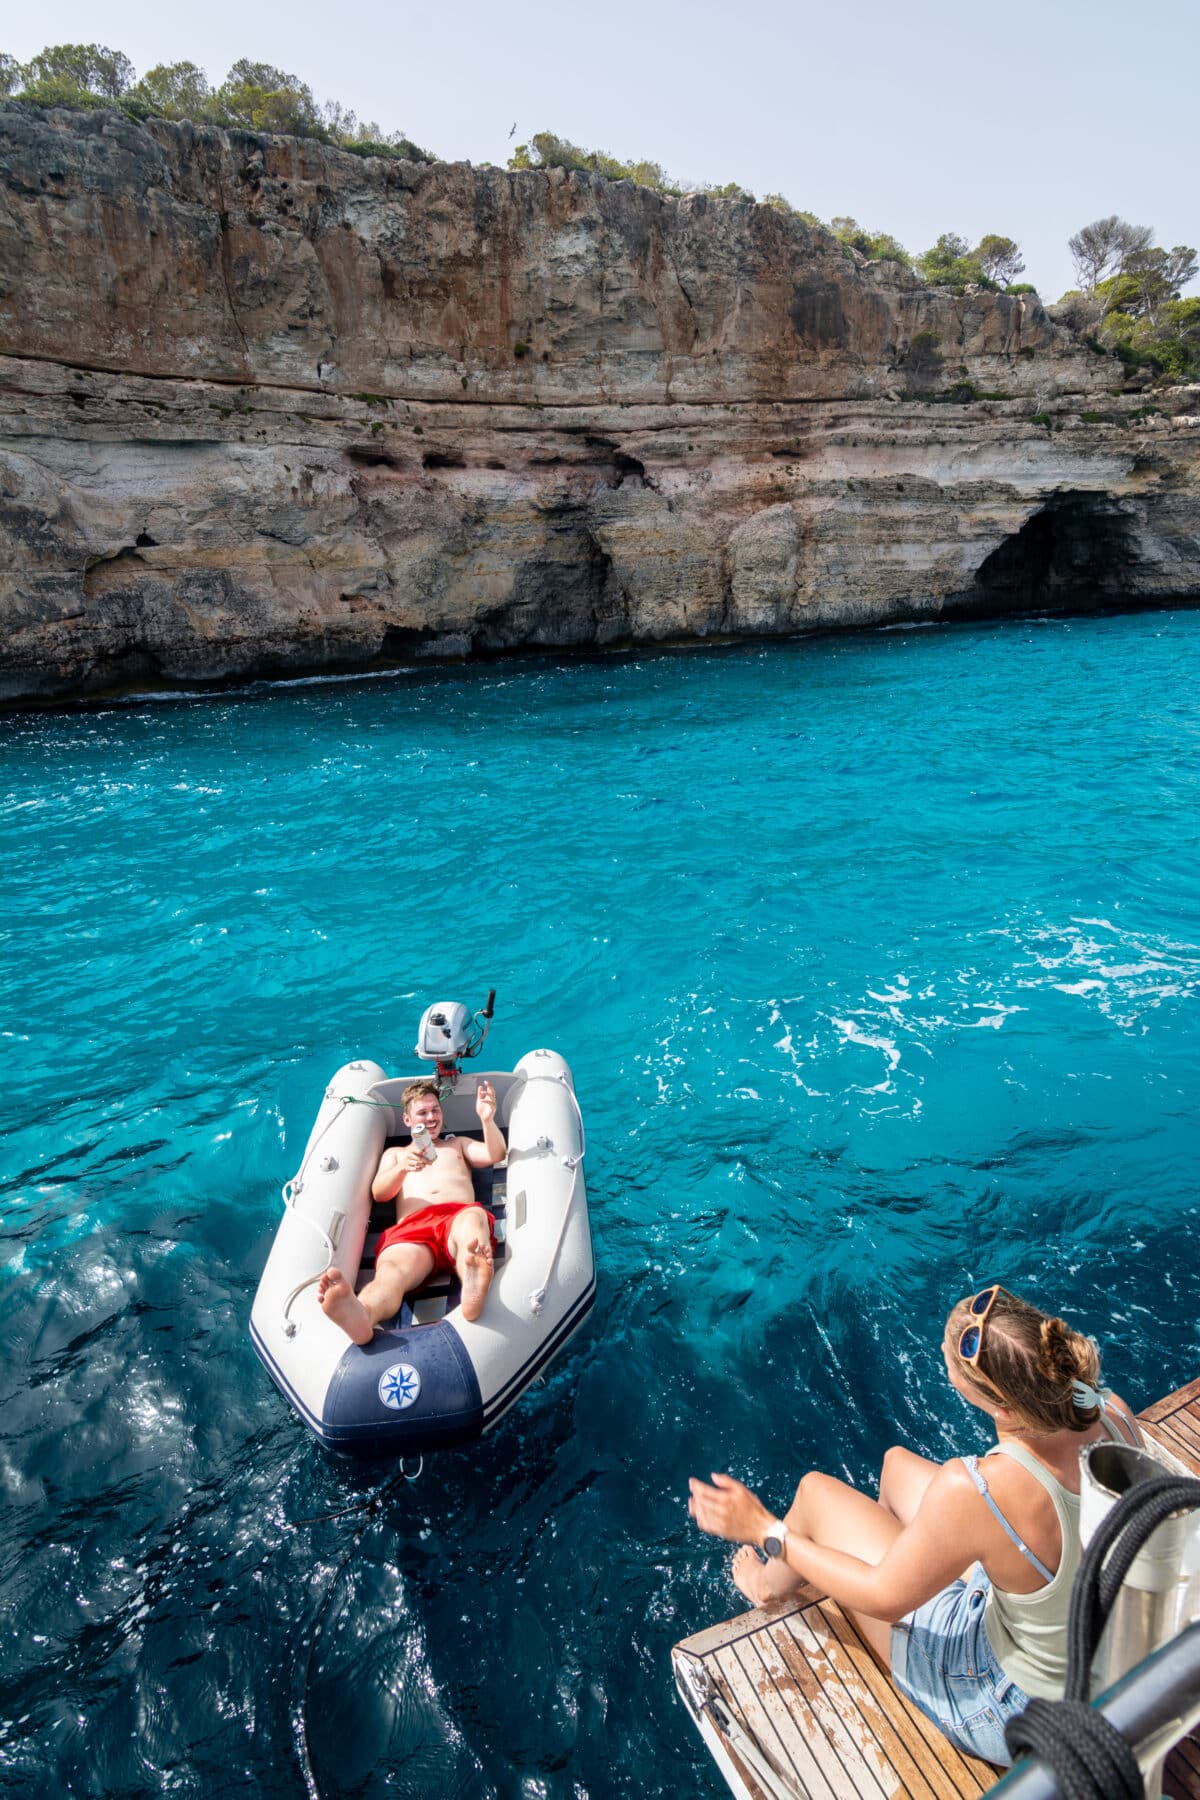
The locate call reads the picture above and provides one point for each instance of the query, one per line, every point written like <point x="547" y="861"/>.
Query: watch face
<point x="773" y="1543"/>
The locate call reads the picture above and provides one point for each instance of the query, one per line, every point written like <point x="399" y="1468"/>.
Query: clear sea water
<point x="877" y="961"/>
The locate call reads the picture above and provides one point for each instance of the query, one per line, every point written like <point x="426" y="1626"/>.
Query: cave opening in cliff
<point x="1079" y="550"/>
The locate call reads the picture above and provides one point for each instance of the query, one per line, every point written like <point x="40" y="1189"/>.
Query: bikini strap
<point x="971" y="1464"/>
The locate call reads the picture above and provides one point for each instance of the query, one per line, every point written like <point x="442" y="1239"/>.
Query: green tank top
<point x="1028" y="1632"/>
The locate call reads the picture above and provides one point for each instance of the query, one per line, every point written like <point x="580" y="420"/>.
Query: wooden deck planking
<point x="898" y="1741"/>
<point x="905" y="1759"/>
<point x="923" y="1745"/>
<point x="1184" y="1399"/>
<point x="846" y="1748"/>
<point x="807" y="1644"/>
<point x="729" y="1667"/>
<point x="805" y="1687"/>
<point x="796" y="1728"/>
<point x="1181" y="1772"/>
<point x="1180" y="1431"/>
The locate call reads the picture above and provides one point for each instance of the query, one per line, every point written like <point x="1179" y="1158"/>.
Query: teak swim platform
<point x="803" y="1697"/>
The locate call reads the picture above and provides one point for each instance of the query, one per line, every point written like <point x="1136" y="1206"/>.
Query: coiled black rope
<point x="1089" y="1757"/>
<point x="1124" y="1531"/>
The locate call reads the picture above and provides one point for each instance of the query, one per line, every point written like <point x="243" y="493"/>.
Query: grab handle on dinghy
<point x="295" y="1186"/>
<point x="537" y="1299"/>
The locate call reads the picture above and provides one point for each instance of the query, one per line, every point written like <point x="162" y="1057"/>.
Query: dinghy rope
<point x="289" y="1191"/>
<point x="537" y="1299"/>
<point x="296" y="1185"/>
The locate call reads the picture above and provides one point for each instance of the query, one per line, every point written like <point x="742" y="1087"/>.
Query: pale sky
<point x="936" y="116"/>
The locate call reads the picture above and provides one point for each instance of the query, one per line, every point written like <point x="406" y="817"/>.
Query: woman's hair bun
<point x="1058" y="1356"/>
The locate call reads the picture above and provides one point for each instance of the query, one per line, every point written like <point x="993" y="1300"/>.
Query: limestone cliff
<point x="265" y="406"/>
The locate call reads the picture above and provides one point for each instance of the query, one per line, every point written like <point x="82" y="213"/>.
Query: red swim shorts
<point x="429" y="1227"/>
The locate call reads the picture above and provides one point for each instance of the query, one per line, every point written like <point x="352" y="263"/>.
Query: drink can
<point x="422" y="1141"/>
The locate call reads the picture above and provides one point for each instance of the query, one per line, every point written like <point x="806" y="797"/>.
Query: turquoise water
<point x="877" y="962"/>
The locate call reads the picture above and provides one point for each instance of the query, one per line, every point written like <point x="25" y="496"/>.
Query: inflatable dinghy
<point x="429" y="1377"/>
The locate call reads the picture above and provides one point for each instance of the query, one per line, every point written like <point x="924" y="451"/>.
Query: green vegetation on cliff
<point x="545" y="150"/>
<point x="254" y="96"/>
<point x="1129" y="298"/>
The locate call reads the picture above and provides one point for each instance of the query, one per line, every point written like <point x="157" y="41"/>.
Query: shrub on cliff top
<point x="259" y="97"/>
<point x="877" y="246"/>
<point x="547" y="151"/>
<point x="952" y="263"/>
<point x="727" y="190"/>
<point x="175" y="91"/>
<point x="777" y="203"/>
<point x="254" y="96"/>
<point x="1168" y="344"/>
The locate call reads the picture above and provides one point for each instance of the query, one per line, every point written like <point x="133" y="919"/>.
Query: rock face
<point x="267" y="406"/>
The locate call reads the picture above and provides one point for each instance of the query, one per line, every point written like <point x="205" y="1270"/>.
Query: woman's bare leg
<point x="903" y="1481"/>
<point x="834" y="1514"/>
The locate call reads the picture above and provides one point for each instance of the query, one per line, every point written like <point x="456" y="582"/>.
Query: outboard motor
<point x="448" y="1033"/>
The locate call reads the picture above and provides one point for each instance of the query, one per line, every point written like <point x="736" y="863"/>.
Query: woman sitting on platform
<point x="968" y="1649"/>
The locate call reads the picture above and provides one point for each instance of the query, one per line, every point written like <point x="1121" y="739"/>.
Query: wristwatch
<point x="775" y="1537"/>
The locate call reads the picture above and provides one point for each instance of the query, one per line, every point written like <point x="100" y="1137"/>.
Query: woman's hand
<point x="727" y="1509"/>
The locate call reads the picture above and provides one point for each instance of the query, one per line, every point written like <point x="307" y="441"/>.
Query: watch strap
<point x="775" y="1537"/>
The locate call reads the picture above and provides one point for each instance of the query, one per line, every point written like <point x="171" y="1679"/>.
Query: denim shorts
<point x="942" y="1659"/>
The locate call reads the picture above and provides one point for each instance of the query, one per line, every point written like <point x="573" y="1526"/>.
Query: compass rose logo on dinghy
<point x="399" y="1386"/>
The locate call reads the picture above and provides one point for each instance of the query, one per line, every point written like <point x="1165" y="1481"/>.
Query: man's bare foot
<point x="475" y="1273"/>
<point x="340" y="1303"/>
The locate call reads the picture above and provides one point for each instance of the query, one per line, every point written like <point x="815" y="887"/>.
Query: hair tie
<point x="1085" y="1396"/>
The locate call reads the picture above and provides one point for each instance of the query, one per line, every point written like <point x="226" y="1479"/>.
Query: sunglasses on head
<point x="971" y="1341"/>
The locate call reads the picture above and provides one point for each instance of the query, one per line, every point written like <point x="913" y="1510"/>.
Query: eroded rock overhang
<point x="266" y="407"/>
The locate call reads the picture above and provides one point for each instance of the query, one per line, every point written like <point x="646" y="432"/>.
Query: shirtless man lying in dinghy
<point x="439" y="1224"/>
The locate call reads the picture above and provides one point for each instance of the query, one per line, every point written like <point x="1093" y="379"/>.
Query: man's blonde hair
<point x="416" y="1089"/>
